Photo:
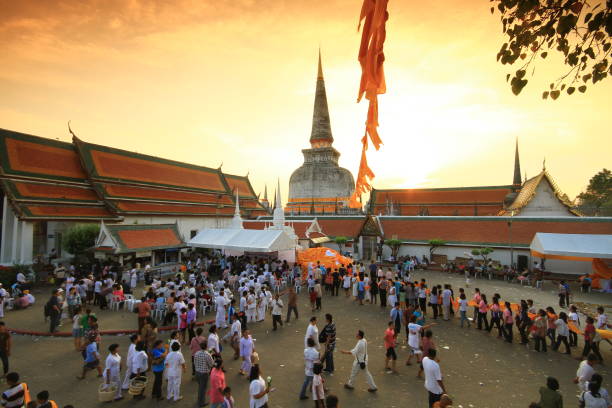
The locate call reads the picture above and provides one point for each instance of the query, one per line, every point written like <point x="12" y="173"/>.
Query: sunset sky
<point x="233" y="81"/>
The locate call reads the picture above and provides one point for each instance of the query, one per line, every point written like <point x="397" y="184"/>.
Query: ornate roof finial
<point x="237" y="220"/>
<point x="320" y="71"/>
<point x="544" y="164"/>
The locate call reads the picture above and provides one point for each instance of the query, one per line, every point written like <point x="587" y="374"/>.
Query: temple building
<point x="538" y="196"/>
<point x="320" y="185"/>
<point x="46" y="186"/>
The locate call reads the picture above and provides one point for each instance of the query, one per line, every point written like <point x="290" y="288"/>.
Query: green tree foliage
<point x="395" y="245"/>
<point x="483" y="252"/>
<point x="578" y="29"/>
<point x="597" y="199"/>
<point x="341" y="242"/>
<point x="434" y="244"/>
<point x="79" y="238"/>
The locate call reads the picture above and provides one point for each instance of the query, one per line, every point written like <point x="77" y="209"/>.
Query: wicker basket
<point x="138" y="385"/>
<point x="106" y="393"/>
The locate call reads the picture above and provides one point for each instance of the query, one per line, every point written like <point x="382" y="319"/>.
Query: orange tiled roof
<point x="66" y="211"/>
<point x="469" y="195"/>
<point x="32" y="156"/>
<point x="155" y="208"/>
<point x="487" y="230"/>
<point x="151" y="193"/>
<point x="442" y="210"/>
<point x="241" y="184"/>
<point x="53" y="191"/>
<point x="160" y="237"/>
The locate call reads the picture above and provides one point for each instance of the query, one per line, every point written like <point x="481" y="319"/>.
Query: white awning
<point x="571" y="246"/>
<point x="245" y="240"/>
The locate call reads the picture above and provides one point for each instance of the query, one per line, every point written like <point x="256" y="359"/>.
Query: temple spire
<point x="321" y="134"/>
<point x="516" y="182"/>
<point x="237" y="220"/>
<point x="278" y="219"/>
<point x="266" y="192"/>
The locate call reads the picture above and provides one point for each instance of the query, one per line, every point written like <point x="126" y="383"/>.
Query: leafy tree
<point x="395" y="245"/>
<point x="597" y="199"/>
<point x="341" y="241"/>
<point x="434" y="244"/>
<point x="579" y="30"/>
<point x="482" y="252"/>
<point x="80" y="237"/>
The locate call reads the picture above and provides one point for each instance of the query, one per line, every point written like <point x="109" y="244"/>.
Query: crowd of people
<point x="245" y="292"/>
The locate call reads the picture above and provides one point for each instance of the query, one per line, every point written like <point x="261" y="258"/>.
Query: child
<point x="318" y="391"/>
<point x="228" y="400"/>
<point x="463" y="306"/>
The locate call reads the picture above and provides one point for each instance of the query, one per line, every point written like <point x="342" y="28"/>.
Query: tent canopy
<point x="576" y="247"/>
<point x="245" y="240"/>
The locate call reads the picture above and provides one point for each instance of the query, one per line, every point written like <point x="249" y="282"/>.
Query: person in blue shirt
<point x="92" y="360"/>
<point x="159" y="360"/>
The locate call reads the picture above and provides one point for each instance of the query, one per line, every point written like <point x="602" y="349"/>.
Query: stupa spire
<point x="278" y="219"/>
<point x="516" y="182"/>
<point x="321" y="134"/>
<point x="237" y="220"/>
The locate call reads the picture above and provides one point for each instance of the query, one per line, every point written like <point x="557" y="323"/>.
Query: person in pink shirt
<point x="476" y="298"/>
<point x="194" y="346"/>
<point x="217" y="385"/>
<point x="390" y="342"/>
<point x="496" y="316"/>
<point x="483" y="308"/>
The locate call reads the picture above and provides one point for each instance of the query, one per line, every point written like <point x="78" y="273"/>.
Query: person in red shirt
<point x="144" y="310"/>
<point x="390" y="342"/>
<point x="217" y="384"/>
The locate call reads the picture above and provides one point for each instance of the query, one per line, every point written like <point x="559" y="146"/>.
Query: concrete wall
<point x="500" y="254"/>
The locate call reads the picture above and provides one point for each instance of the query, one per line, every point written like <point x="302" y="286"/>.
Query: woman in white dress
<point x="258" y="390"/>
<point x="112" y="371"/>
<point x="366" y="285"/>
<point x="354" y="283"/>
<point x="213" y="341"/>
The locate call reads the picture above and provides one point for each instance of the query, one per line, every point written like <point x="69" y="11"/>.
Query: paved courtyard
<point x="479" y="370"/>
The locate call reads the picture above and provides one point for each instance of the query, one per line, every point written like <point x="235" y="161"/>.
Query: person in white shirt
<point x="251" y="305"/>
<point x="133" y="279"/>
<point x="3" y="295"/>
<point x="175" y="367"/>
<point x="585" y="372"/>
<point x="112" y="371"/>
<point x="213" y="341"/>
<point x="277" y="310"/>
<point x="575" y="319"/>
<point x="463" y="307"/>
<point x="414" y="338"/>
<point x="312" y="331"/>
<point x="258" y="389"/>
<point x="446" y="302"/>
<point x="247" y="347"/>
<point x="134" y="338"/>
<point x="221" y="302"/>
<point x="235" y="335"/>
<point x="140" y="364"/>
<point x="261" y="306"/>
<point x="433" y="377"/>
<point x="311" y="356"/>
<point x="590" y="398"/>
<point x="360" y="352"/>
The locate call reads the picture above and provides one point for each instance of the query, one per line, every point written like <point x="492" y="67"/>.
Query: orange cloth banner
<point x="325" y="256"/>
<point x="374" y="16"/>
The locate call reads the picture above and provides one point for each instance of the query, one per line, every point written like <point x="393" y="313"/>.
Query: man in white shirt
<point x="221" y="302"/>
<point x="312" y="331"/>
<point x="3" y="295"/>
<point x="277" y="310"/>
<point x="433" y="378"/>
<point x="585" y="372"/>
<point x="134" y="338"/>
<point x="175" y="367"/>
<point x="360" y="352"/>
<point x="311" y="356"/>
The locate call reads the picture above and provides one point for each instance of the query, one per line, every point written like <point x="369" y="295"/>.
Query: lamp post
<point x="510" y="233"/>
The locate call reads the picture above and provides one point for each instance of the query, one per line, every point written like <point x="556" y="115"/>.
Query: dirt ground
<point x="478" y="369"/>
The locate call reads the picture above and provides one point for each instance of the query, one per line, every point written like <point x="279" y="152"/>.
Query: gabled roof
<point x="104" y="163"/>
<point x="528" y="192"/>
<point x="48" y="178"/>
<point x="126" y="238"/>
<point x="440" y="201"/>
<point x="43" y="180"/>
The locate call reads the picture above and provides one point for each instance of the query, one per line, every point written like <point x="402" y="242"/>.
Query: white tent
<point x="571" y="246"/>
<point x="244" y="240"/>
